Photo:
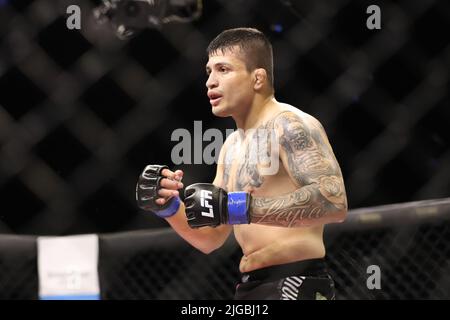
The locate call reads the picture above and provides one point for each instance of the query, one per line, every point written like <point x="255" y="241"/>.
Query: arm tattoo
<point x="313" y="168"/>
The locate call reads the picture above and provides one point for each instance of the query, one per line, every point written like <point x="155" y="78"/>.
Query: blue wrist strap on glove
<point x="171" y="209"/>
<point x="238" y="208"/>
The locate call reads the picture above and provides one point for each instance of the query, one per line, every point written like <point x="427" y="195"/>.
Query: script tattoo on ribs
<point x="313" y="167"/>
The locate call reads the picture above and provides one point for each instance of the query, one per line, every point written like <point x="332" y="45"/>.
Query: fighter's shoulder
<point x="229" y="140"/>
<point x="290" y="115"/>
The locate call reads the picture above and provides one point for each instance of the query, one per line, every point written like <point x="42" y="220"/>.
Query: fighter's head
<point x="250" y="44"/>
<point x="240" y="65"/>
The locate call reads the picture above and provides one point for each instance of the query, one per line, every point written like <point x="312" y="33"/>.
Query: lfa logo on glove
<point x="206" y="195"/>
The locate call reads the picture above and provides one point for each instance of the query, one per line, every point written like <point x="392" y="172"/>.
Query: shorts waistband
<point x="312" y="267"/>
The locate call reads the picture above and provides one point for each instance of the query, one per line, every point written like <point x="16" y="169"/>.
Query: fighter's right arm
<point x="205" y="239"/>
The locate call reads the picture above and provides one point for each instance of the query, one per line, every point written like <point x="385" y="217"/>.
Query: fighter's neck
<point x="256" y="113"/>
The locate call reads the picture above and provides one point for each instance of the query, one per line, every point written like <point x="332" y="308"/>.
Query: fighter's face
<point x="230" y="84"/>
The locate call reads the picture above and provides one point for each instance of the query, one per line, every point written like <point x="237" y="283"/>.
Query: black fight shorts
<point x="303" y="280"/>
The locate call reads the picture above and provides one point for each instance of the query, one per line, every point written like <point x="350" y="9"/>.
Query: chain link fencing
<point x="409" y="243"/>
<point x="82" y="113"/>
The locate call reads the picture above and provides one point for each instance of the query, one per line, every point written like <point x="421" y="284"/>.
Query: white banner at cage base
<point x="68" y="268"/>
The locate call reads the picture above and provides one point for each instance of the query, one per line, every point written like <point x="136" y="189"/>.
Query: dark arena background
<point x="83" y="111"/>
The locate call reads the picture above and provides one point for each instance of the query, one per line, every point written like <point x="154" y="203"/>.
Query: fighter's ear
<point x="260" y="78"/>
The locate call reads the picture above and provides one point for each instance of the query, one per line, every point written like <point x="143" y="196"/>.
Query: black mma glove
<point x="147" y="189"/>
<point x="208" y="205"/>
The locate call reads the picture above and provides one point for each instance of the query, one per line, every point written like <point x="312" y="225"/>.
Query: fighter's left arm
<point x="308" y="158"/>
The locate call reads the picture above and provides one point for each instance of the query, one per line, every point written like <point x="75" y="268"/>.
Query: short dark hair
<point x="254" y="45"/>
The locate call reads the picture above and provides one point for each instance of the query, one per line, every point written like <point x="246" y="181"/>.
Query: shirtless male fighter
<point x="277" y="217"/>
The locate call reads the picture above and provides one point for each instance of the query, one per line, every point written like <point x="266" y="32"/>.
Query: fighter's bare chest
<point x="251" y="161"/>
